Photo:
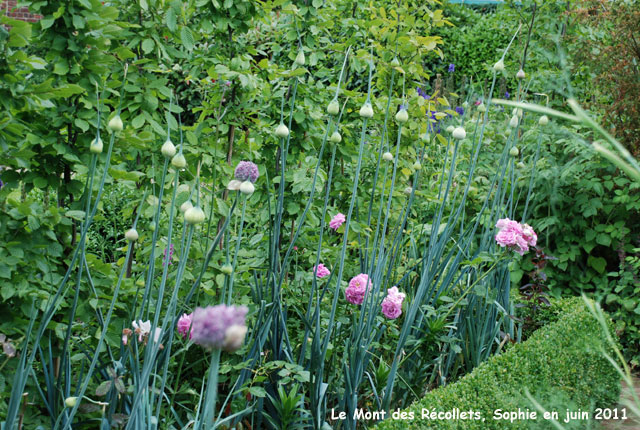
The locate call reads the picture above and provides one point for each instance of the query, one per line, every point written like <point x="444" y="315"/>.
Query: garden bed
<point x="562" y="365"/>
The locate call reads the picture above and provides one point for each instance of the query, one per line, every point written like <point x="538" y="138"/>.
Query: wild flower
<point x="170" y="249"/>
<point x="460" y="110"/>
<point x="452" y="68"/>
<point x="184" y="325"/>
<point x="422" y="93"/>
<point x="219" y="327"/>
<point x="337" y="221"/>
<point x="141" y="328"/>
<point x="516" y="236"/>
<point x="392" y="303"/>
<point x="357" y="288"/>
<point x="321" y="271"/>
<point x="246" y="171"/>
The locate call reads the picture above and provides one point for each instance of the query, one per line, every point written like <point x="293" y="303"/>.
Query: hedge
<point x="561" y="364"/>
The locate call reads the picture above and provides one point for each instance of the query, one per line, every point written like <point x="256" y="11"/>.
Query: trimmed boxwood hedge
<point x="561" y="364"/>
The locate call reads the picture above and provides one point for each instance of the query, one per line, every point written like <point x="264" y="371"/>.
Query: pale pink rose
<point x="184" y="325"/>
<point x="357" y="288"/>
<point x="321" y="271"/>
<point x="337" y="221"/>
<point x="392" y="304"/>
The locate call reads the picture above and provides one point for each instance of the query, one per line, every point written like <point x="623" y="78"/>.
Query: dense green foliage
<point x="561" y="365"/>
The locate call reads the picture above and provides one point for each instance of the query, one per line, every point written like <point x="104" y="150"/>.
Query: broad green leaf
<point x="187" y="38"/>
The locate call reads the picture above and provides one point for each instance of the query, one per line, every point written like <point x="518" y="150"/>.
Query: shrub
<point x="562" y="365"/>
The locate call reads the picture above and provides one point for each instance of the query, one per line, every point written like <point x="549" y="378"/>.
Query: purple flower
<point x="460" y="110"/>
<point x="337" y="221"/>
<point x="422" y="93"/>
<point x="1" y="184"/>
<point x="246" y="171"/>
<point x="321" y="271"/>
<point x="164" y="259"/>
<point x="507" y="95"/>
<point x="357" y="288"/>
<point x="392" y="304"/>
<point x="184" y="324"/>
<point x="219" y="327"/>
<point x="452" y="68"/>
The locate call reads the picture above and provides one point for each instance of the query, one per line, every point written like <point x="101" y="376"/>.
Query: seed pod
<point x="70" y="402"/>
<point x="96" y="146"/>
<point x="335" y="137"/>
<point x="402" y="115"/>
<point x="387" y="156"/>
<point x="459" y="133"/>
<point x="227" y="269"/>
<point x="521" y="74"/>
<point x="178" y="161"/>
<point x="408" y="190"/>
<point x="465" y="104"/>
<point x="300" y="60"/>
<point x="544" y="120"/>
<point x="282" y="130"/>
<point x="333" y="108"/>
<point x="115" y="124"/>
<point x="194" y="215"/>
<point x="395" y="62"/>
<point x="499" y="66"/>
<point x="168" y="149"/>
<point x="521" y="165"/>
<point x="417" y="165"/>
<point x="482" y="108"/>
<point x="131" y="235"/>
<point x="513" y="123"/>
<point x="366" y="111"/>
<point x="247" y="188"/>
<point x="186" y="206"/>
<point x="234" y="185"/>
<point x="514" y="151"/>
<point x="450" y="129"/>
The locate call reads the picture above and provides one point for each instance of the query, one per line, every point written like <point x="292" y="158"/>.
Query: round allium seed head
<point x="70" y="402"/>
<point x="247" y="188"/>
<point x="178" y="161"/>
<point x="544" y="120"/>
<point x="194" y="215"/>
<point x="513" y="123"/>
<point x="408" y="190"/>
<point x="482" y="108"/>
<point x="186" y="206"/>
<point x="402" y="115"/>
<point x="333" y="108"/>
<point x="168" y="149"/>
<point x="465" y="104"/>
<point x="336" y="137"/>
<point x="395" y="62"/>
<point x="417" y="165"/>
<point x="234" y="185"/>
<point x="227" y="269"/>
<point x="499" y="66"/>
<point x="450" y="129"/>
<point x="115" y="124"/>
<point x="282" y="130"/>
<point x="387" y="156"/>
<point x="96" y="145"/>
<point x="514" y="151"/>
<point x="519" y="112"/>
<point x="521" y="165"/>
<point x="131" y="235"/>
<point x="521" y="74"/>
<point x="246" y="171"/>
<point x="219" y="327"/>
<point x="366" y="111"/>
<point x="459" y="133"/>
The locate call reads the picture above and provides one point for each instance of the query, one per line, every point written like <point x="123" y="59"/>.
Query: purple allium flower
<point x="357" y="288"/>
<point x="392" y="304"/>
<point x="164" y="259"/>
<point x="321" y="271"/>
<point x="452" y="68"/>
<point x="246" y="171"/>
<point x="184" y="324"/>
<point x="219" y="327"/>
<point x="337" y="221"/>
<point x="460" y="110"/>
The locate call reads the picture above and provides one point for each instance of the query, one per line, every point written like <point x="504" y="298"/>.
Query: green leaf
<point x="171" y="19"/>
<point x="147" y="45"/>
<point x="78" y="21"/>
<point x="598" y="263"/>
<point x="257" y="392"/>
<point x="79" y="215"/>
<point x="187" y="38"/>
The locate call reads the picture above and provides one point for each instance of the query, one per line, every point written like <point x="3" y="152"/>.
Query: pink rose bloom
<point x="392" y="304"/>
<point x="516" y="236"/>
<point x="529" y="235"/>
<point x="337" y="221"/>
<point x="184" y="325"/>
<point x="357" y="288"/>
<point x="321" y="271"/>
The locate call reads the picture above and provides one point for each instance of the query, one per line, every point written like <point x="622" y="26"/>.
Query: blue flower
<point x="422" y="93"/>
<point x="452" y="68"/>
<point x="460" y="110"/>
<point x="507" y="95"/>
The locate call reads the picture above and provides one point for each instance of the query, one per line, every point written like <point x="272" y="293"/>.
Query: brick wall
<point x="9" y="8"/>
